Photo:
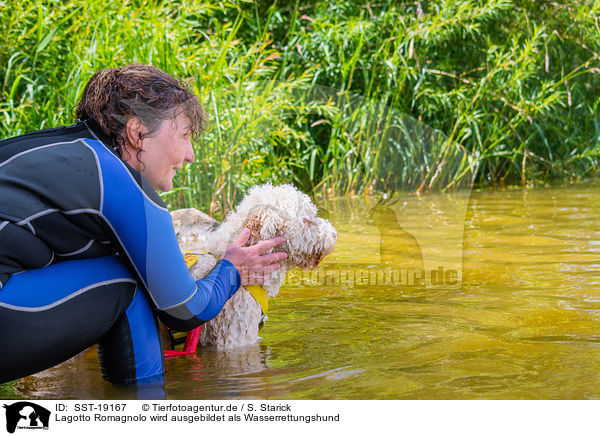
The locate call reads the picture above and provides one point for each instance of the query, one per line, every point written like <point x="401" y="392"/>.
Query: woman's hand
<point x="253" y="266"/>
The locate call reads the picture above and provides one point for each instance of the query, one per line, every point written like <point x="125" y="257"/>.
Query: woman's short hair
<point x="115" y="95"/>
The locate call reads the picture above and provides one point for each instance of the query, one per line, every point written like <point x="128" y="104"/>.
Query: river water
<point x="472" y="295"/>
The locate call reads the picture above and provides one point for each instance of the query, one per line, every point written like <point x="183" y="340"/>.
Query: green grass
<point x="336" y="97"/>
<point x="7" y="390"/>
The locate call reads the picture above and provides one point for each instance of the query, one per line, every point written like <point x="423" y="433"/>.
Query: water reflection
<point x="397" y="247"/>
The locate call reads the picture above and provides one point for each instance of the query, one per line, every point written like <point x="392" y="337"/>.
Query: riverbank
<point x="340" y="97"/>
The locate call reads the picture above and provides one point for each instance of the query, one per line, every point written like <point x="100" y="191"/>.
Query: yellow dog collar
<point x="260" y="295"/>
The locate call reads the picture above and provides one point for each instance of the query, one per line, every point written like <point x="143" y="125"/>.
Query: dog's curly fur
<point x="268" y="211"/>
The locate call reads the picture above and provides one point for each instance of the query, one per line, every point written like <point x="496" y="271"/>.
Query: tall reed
<point x="337" y="97"/>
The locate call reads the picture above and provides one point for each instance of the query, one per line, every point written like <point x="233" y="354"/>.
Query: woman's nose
<point x="189" y="153"/>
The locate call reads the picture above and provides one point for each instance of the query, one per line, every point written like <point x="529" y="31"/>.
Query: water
<point x="508" y="308"/>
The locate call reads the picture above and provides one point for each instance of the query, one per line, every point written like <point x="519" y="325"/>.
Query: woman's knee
<point x="51" y="314"/>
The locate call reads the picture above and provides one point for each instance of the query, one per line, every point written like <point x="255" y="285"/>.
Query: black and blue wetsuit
<point x="88" y="254"/>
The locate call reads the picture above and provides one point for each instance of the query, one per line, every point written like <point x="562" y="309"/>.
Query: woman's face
<point x="165" y="152"/>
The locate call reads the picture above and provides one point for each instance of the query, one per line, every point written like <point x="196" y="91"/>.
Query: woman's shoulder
<point x="45" y="137"/>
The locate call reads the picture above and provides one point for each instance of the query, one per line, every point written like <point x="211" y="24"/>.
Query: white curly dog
<point x="267" y="211"/>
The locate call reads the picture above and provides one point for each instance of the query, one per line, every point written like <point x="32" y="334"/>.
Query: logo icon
<point x="26" y="415"/>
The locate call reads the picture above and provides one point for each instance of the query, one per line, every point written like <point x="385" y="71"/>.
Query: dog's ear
<point x="264" y="222"/>
<point x="312" y="259"/>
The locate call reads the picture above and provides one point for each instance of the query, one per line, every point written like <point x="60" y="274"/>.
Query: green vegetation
<point x="335" y="96"/>
<point x="7" y="390"/>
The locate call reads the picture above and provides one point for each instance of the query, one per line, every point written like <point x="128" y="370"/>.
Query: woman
<point x="88" y="253"/>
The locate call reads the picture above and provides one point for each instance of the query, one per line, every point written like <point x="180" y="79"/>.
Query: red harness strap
<point x="191" y="341"/>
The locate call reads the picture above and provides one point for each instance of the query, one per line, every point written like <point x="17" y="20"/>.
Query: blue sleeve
<point x="144" y="230"/>
<point x="212" y="292"/>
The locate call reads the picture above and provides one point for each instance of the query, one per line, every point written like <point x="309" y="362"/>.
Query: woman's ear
<point x="134" y="132"/>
